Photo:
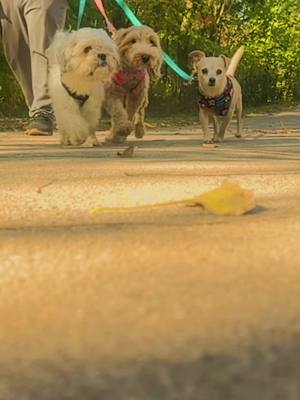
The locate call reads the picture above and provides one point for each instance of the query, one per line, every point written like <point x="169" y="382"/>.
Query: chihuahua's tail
<point x="234" y="62"/>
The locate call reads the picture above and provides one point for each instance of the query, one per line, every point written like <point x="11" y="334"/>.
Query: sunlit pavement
<point x="166" y="303"/>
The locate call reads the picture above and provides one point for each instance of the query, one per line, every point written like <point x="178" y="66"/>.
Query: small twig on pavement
<point x="40" y="189"/>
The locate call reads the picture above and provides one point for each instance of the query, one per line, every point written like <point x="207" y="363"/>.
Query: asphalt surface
<point x="165" y="303"/>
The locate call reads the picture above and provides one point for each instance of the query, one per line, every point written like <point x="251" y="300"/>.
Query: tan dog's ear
<point x="196" y="57"/>
<point x="226" y="61"/>
<point x="120" y="35"/>
<point x="156" y="70"/>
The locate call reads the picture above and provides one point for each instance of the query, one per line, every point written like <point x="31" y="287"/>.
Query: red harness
<point x="126" y="82"/>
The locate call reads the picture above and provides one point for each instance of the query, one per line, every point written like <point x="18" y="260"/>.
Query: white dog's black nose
<point x="102" y="57"/>
<point x="145" y="58"/>
<point x="212" y="81"/>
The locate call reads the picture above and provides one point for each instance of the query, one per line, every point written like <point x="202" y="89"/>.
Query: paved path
<point x="168" y="303"/>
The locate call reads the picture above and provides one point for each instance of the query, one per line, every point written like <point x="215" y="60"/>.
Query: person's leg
<point x="16" y="45"/>
<point x="43" y="19"/>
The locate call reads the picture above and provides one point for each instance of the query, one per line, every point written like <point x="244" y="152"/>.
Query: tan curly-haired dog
<point x="127" y="94"/>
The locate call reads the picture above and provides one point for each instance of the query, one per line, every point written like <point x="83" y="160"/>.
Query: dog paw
<point x="115" y="139"/>
<point x="125" y="129"/>
<point x="120" y="134"/>
<point x="90" y="142"/>
<point x="139" y="131"/>
<point x="65" y="142"/>
<point x="209" y="141"/>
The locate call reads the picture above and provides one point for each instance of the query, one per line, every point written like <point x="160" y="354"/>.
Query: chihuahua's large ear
<point x="226" y="61"/>
<point x="196" y="57"/>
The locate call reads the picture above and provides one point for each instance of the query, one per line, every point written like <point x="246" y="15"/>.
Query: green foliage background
<point x="270" y="30"/>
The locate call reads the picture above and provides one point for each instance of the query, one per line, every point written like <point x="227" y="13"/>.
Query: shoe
<point x="41" y="124"/>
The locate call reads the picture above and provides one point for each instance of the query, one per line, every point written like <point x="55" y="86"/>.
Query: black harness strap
<point x="80" y="98"/>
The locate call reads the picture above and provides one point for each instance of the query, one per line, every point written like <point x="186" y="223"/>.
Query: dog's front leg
<point x="73" y="128"/>
<point x="136" y="105"/>
<point x="139" y="126"/>
<point x="225" y="123"/>
<point x="204" y="120"/>
<point x="121" y="127"/>
<point x="216" y="128"/>
<point x="91" y="140"/>
<point x="239" y="111"/>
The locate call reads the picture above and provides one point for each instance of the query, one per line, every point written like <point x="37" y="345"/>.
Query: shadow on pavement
<point x="253" y="375"/>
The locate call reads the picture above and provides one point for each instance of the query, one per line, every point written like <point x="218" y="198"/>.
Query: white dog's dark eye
<point x="219" y="71"/>
<point x="153" y="43"/>
<point x="87" y="49"/>
<point x="204" y="71"/>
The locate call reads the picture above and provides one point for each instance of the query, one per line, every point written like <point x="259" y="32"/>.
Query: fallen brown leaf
<point x="127" y="153"/>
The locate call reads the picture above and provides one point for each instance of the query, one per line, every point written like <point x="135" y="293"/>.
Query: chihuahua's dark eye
<point x="153" y="43"/>
<point x="219" y="71"/>
<point x="87" y="49"/>
<point x="133" y="41"/>
<point x="204" y="71"/>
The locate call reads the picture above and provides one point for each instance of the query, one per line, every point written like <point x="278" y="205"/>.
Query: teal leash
<point x="129" y="13"/>
<point x="135" y="21"/>
<point x="171" y="63"/>
<point x="82" y="5"/>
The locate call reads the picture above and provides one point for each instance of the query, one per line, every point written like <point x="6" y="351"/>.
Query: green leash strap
<point x="135" y="21"/>
<point x="130" y="15"/>
<point x="171" y="63"/>
<point x="82" y="5"/>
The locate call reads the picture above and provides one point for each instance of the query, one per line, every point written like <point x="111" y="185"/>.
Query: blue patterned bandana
<point x="220" y="104"/>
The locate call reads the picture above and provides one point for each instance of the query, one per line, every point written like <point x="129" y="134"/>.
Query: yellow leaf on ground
<point x="229" y="199"/>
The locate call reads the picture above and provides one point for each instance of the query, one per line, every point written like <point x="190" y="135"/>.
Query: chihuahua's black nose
<point x="102" y="57"/>
<point x="145" y="59"/>
<point x="212" y="81"/>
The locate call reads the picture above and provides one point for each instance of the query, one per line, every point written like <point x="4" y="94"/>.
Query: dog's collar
<point x="128" y="80"/>
<point x="80" y="98"/>
<point x="220" y="104"/>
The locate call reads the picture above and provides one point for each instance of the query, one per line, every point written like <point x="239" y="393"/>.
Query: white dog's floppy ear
<point x="56" y="52"/>
<point x="63" y="49"/>
<point x="196" y="57"/>
<point x="226" y="61"/>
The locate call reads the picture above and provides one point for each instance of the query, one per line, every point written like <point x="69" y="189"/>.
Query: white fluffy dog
<point x="81" y="62"/>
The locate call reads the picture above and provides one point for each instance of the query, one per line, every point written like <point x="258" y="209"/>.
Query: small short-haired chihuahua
<point x="220" y="93"/>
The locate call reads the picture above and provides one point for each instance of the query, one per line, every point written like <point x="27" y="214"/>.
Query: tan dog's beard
<point x="132" y="59"/>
